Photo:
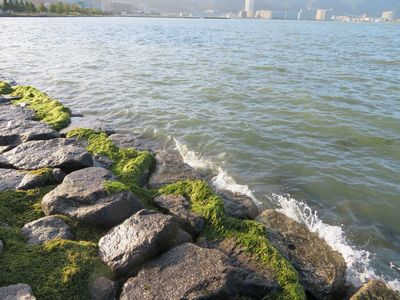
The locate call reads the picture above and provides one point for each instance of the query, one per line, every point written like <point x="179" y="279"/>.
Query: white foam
<point x="222" y="181"/>
<point x="358" y="261"/>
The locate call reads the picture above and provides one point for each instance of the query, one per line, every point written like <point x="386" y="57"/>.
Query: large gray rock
<point x="103" y="288"/>
<point x="179" y="207"/>
<point x="239" y="205"/>
<point x="170" y="169"/>
<point x="33" y="180"/>
<point x="18" y="291"/>
<point x="66" y="154"/>
<point x="82" y="196"/>
<point x="192" y="272"/>
<point x="322" y="270"/>
<point x="146" y="234"/>
<point x="375" y="290"/>
<point x="10" y="179"/>
<point x="18" y="126"/>
<point x="46" y="229"/>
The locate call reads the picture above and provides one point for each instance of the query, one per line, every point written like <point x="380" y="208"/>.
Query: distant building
<point x="277" y="14"/>
<point x="323" y="15"/>
<point x="307" y="14"/>
<point x="243" y="14"/>
<point x="388" y="16"/>
<point x="249" y="8"/>
<point x="264" y="14"/>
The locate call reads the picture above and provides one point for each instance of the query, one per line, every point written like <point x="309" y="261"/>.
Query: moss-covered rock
<point x="5" y="88"/>
<point x="250" y="235"/>
<point x="48" y="110"/>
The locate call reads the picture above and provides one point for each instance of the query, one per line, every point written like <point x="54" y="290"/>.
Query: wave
<point x="358" y="261"/>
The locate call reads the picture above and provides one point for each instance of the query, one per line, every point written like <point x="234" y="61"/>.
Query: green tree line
<point x="20" y="6"/>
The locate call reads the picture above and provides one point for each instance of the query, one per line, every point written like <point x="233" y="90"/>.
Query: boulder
<point x="103" y="288"/>
<point x="67" y="154"/>
<point x="82" y="196"/>
<point x="33" y="180"/>
<point x="17" y="125"/>
<point x="375" y="290"/>
<point x="239" y="205"/>
<point x="143" y="236"/>
<point x="10" y="179"/>
<point x="321" y="269"/>
<point x="170" y="169"/>
<point x="179" y="207"/>
<point x="192" y="272"/>
<point x="46" y="229"/>
<point x="18" y="291"/>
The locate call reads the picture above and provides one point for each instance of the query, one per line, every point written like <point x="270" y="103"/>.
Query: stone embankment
<point x="95" y="214"/>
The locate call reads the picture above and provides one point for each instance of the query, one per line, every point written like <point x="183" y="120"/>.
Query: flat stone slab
<point x="179" y="207"/>
<point x="46" y="229"/>
<point x="375" y="290"/>
<point x="67" y="154"/>
<point x="10" y="179"/>
<point x="18" y="291"/>
<point x="192" y="272"/>
<point x="239" y="205"/>
<point x="143" y="236"/>
<point x="17" y="126"/>
<point x="321" y="269"/>
<point x="82" y="196"/>
<point x="170" y="169"/>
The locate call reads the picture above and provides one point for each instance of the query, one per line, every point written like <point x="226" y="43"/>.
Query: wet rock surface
<point x="171" y="168"/>
<point x="239" y="205"/>
<point x="10" y="179"/>
<point x="17" y="125"/>
<point x="322" y="270"/>
<point x="143" y="236"/>
<point x="46" y="229"/>
<point x="103" y="288"/>
<point x="82" y="196"/>
<point x="18" y="291"/>
<point x="375" y="290"/>
<point x="67" y="154"/>
<point x="192" y="272"/>
<point x="179" y="207"/>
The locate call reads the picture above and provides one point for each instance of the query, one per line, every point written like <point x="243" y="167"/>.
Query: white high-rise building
<point x="249" y="7"/>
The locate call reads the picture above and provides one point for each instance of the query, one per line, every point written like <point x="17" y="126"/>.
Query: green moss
<point x="248" y="234"/>
<point x="129" y="165"/>
<point x="47" y="109"/>
<point x="45" y="173"/>
<point x="59" y="269"/>
<point x="20" y="207"/>
<point x="5" y="88"/>
<point x="114" y="187"/>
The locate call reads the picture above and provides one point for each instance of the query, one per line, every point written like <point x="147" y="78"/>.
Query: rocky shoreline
<point x="90" y="213"/>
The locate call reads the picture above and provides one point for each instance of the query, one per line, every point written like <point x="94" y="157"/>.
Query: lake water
<point x="304" y="116"/>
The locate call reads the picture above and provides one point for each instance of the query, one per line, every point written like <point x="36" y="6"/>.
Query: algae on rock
<point x="5" y="88"/>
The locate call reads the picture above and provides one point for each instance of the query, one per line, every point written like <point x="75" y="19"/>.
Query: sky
<point x="371" y="7"/>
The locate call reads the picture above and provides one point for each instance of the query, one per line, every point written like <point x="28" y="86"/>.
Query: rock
<point x="1" y="247"/>
<point x="179" y="207"/>
<point x="171" y="168"/>
<point x="18" y="291"/>
<point x="375" y="290"/>
<point x="103" y="288"/>
<point x="67" y="154"/>
<point x="321" y="269"/>
<point x="239" y="205"/>
<point x="102" y="161"/>
<point x="124" y="140"/>
<point x="82" y="196"/>
<point x="46" y="229"/>
<point x="10" y="179"/>
<point x="192" y="272"/>
<point x="17" y="125"/>
<point x="58" y="175"/>
<point x="143" y="236"/>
